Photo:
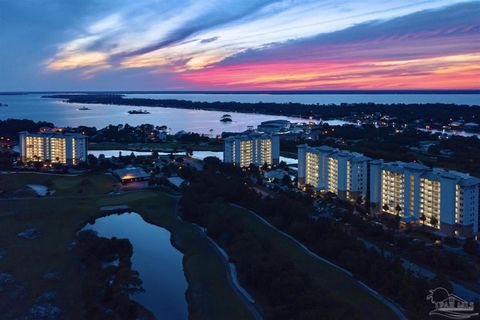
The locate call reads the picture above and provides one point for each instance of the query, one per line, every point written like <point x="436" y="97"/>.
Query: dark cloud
<point x="204" y="22"/>
<point x="30" y="31"/>
<point x="429" y="27"/>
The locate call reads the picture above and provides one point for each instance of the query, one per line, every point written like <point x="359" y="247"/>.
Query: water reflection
<point x="157" y="261"/>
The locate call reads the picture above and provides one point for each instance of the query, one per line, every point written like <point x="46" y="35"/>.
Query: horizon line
<point x="306" y="92"/>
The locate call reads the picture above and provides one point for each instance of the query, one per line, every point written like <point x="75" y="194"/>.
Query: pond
<point x="154" y="257"/>
<point x="39" y="189"/>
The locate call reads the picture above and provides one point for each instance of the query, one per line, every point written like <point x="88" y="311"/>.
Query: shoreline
<point x="195" y="307"/>
<point x="286" y="92"/>
<point x="192" y="311"/>
<point x="405" y="112"/>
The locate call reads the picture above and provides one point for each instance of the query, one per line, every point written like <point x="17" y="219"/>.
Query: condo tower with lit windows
<point x="257" y="149"/>
<point x="53" y="146"/>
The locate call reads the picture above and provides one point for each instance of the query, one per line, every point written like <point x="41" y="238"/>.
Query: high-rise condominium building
<point x="57" y="147"/>
<point x="328" y="169"/>
<point x="256" y="149"/>
<point x="446" y="200"/>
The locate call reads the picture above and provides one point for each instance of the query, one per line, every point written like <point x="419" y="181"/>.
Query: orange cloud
<point x="442" y="72"/>
<point x="78" y="60"/>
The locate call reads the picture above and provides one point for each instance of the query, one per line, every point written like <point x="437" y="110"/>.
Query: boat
<point x="139" y="111"/>
<point x="226" y="118"/>
<point x="84" y="108"/>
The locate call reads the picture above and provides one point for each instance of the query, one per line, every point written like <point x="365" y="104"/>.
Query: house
<point x="275" y="175"/>
<point x="131" y="174"/>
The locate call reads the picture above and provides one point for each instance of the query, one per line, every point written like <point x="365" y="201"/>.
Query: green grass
<point x="63" y="185"/>
<point x="339" y="285"/>
<point x="210" y="296"/>
<point x="59" y="218"/>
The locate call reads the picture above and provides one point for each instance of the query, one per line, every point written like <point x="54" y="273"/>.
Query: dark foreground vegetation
<point x="434" y="112"/>
<point x="285" y="292"/>
<point x="108" y="279"/>
<point x="11" y="127"/>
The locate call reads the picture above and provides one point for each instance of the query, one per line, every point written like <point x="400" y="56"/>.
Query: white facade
<point x="446" y="200"/>
<point x="256" y="149"/>
<point x="57" y="147"/>
<point x="328" y="169"/>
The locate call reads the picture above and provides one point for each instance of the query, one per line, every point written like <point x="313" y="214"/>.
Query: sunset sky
<point x="239" y="45"/>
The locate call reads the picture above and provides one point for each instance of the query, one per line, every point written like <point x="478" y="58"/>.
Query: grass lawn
<point x="63" y="185"/>
<point x="161" y="146"/>
<point x="59" y="217"/>
<point x="339" y="285"/>
<point x="210" y="297"/>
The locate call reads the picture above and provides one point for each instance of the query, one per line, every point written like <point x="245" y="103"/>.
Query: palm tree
<point x="434" y="221"/>
<point x="398" y="209"/>
<point x="423" y="219"/>
<point x="359" y="200"/>
<point x="385" y="207"/>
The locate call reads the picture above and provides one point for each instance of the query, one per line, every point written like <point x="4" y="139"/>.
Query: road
<point x="460" y="290"/>
<point x="229" y="268"/>
<point x="396" y="309"/>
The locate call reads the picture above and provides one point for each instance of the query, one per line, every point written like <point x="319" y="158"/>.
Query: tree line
<point x="204" y="201"/>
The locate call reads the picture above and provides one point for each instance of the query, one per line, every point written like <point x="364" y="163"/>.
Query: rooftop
<point x="337" y="153"/>
<point x="249" y="136"/>
<point x="131" y="173"/>
<point x="435" y="174"/>
<point x="53" y="134"/>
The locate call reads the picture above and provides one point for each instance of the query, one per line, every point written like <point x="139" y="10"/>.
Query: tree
<point x="398" y="209"/>
<point x="434" y="221"/>
<point x="359" y="200"/>
<point x="152" y="179"/>
<point x="470" y="246"/>
<point x="423" y="219"/>
<point x="286" y="180"/>
<point x="442" y="281"/>
<point x="265" y="166"/>
<point x="385" y="207"/>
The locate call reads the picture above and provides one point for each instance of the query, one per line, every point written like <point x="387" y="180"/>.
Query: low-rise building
<point x="275" y="175"/>
<point x="257" y="149"/>
<point x="274" y="126"/>
<point x="131" y="174"/>
<point x="53" y="146"/>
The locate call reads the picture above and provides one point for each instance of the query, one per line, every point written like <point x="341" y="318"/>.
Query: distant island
<point x="140" y="111"/>
<point x="407" y="113"/>
<point x="226" y="118"/>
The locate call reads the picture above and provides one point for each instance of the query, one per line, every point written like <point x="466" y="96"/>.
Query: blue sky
<point x="230" y="45"/>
